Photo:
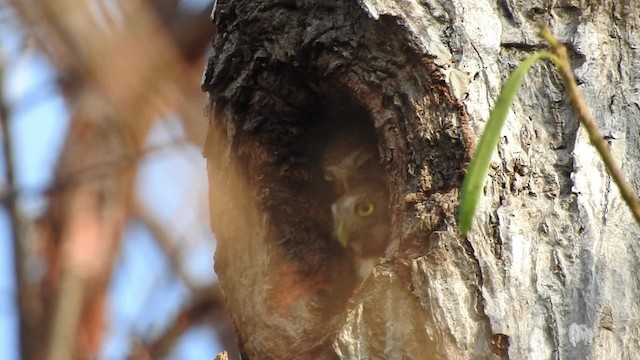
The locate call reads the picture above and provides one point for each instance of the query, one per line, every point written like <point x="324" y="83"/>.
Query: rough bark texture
<point x="548" y="270"/>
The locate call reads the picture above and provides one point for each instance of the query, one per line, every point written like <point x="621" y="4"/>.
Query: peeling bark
<point x="539" y="276"/>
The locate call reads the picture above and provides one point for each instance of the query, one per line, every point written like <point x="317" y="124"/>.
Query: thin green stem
<point x="561" y="61"/>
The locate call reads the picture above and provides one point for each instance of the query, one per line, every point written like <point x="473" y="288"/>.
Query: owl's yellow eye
<point x="365" y="208"/>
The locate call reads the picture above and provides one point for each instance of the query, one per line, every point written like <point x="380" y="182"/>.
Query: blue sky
<point x="171" y="183"/>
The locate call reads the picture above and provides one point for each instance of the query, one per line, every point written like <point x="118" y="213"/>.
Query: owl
<point x="361" y="224"/>
<point x="348" y="171"/>
<point x="360" y="212"/>
<point x="350" y="159"/>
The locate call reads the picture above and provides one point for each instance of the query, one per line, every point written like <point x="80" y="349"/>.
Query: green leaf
<point x="479" y="167"/>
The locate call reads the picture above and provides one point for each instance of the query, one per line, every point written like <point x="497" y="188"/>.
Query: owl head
<point x="348" y="170"/>
<point x="361" y="220"/>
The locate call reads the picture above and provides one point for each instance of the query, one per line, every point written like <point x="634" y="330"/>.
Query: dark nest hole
<point x="334" y="148"/>
<point x="288" y="133"/>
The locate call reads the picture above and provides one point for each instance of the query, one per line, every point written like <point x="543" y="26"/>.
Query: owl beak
<point x="342" y="234"/>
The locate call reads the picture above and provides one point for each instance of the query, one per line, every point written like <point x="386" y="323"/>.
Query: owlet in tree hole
<point x="361" y="223"/>
<point x="360" y="212"/>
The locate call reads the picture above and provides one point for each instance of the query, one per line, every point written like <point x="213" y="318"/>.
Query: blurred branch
<point x="119" y="74"/>
<point x="14" y="216"/>
<point x="192" y="33"/>
<point x="135" y="66"/>
<point x="140" y="351"/>
<point x="167" y="243"/>
<point x="67" y="316"/>
<point x="208" y="301"/>
<point x="91" y="172"/>
<point x="104" y="167"/>
<point x="26" y="306"/>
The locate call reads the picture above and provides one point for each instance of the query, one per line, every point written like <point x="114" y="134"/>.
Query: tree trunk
<point x="548" y="268"/>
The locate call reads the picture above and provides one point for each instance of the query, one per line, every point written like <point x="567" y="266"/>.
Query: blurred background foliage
<point x="106" y="250"/>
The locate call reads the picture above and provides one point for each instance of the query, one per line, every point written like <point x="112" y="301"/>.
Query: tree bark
<point x="548" y="268"/>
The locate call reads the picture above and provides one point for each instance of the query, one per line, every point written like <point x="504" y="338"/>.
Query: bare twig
<point x="167" y="243"/>
<point x="27" y="314"/>
<point x="208" y="298"/>
<point x="67" y="316"/>
<point x="92" y="172"/>
<point x="595" y="136"/>
<point x="208" y="302"/>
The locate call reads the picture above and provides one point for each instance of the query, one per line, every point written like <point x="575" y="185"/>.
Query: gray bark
<point x="549" y="268"/>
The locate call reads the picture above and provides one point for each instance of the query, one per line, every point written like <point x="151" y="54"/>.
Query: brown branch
<point x="89" y="173"/>
<point x="67" y="315"/>
<point x="100" y="169"/>
<point x="209" y="301"/>
<point x="120" y="81"/>
<point x="207" y="306"/>
<point x="167" y="243"/>
<point x="192" y="33"/>
<point x="27" y="323"/>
